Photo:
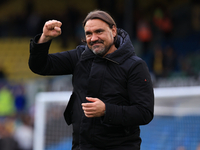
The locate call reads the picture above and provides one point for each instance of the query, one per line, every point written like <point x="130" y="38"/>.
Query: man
<point x="112" y="90"/>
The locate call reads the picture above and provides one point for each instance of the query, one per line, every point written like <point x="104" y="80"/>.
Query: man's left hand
<point x="94" y="109"/>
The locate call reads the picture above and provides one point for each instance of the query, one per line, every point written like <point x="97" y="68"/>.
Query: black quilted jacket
<point x="120" y="79"/>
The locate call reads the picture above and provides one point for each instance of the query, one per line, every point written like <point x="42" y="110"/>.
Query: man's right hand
<point x="51" y="29"/>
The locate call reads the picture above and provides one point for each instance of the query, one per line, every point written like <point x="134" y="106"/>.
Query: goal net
<point x="176" y="125"/>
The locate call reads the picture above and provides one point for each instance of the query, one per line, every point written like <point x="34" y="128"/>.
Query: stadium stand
<point x="14" y="56"/>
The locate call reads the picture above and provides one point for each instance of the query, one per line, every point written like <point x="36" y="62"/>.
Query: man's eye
<point x="88" y="33"/>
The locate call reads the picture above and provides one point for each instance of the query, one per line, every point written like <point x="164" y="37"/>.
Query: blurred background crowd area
<point x="166" y="34"/>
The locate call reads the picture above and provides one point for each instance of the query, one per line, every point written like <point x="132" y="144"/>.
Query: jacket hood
<point x="124" y="46"/>
<point x="124" y="50"/>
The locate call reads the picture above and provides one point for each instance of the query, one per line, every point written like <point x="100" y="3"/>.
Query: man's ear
<point x="114" y="31"/>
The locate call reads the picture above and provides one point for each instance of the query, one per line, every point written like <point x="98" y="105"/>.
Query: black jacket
<point x="120" y="79"/>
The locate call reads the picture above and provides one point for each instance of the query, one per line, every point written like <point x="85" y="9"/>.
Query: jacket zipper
<point x="111" y="60"/>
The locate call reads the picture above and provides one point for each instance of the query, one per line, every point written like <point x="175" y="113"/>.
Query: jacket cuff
<point x="34" y="46"/>
<point x="113" y="115"/>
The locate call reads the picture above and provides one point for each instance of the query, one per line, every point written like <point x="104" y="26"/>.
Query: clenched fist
<point x="51" y="29"/>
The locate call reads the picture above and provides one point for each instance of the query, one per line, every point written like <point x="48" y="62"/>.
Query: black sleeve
<point x="141" y="97"/>
<point x="42" y="63"/>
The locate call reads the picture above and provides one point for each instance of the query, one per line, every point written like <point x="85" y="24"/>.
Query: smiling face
<point x="100" y="37"/>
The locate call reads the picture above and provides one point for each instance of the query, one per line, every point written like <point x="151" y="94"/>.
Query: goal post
<point x="177" y="101"/>
<point x="176" y="121"/>
<point x="42" y="100"/>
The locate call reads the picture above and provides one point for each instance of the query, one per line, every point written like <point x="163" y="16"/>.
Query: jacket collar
<point x="124" y="50"/>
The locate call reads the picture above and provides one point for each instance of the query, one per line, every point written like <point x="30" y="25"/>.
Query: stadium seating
<point x="14" y="56"/>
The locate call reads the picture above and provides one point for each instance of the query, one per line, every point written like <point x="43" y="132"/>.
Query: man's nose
<point x="94" y="37"/>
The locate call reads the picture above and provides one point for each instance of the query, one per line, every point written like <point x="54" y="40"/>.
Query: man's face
<point x="100" y="37"/>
